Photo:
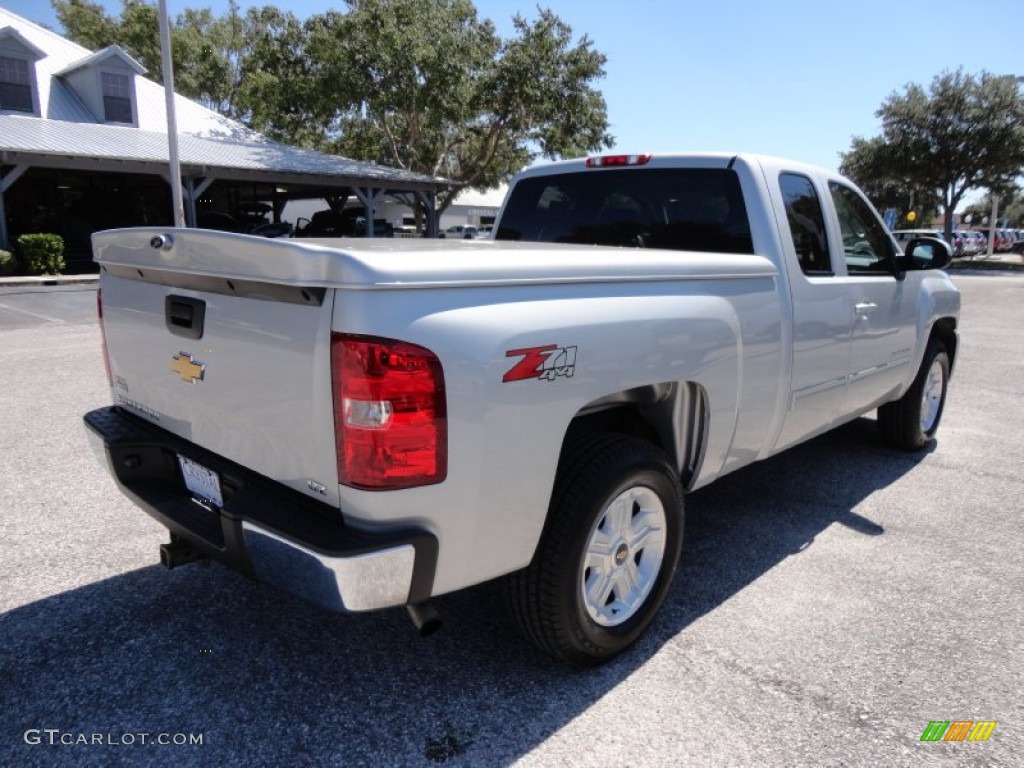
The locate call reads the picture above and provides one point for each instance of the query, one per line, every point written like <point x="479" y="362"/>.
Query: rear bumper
<point x="265" y="530"/>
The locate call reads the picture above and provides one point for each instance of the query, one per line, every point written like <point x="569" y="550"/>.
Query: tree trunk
<point x="947" y="215"/>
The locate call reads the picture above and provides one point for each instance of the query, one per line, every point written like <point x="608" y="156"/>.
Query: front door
<point x="884" y="332"/>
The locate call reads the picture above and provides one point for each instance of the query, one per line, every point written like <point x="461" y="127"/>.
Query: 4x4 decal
<point x="546" y="363"/>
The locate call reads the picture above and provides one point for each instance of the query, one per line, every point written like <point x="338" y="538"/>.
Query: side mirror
<point x="926" y="253"/>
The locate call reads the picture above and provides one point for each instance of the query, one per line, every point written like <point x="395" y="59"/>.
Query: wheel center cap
<point x="621" y="553"/>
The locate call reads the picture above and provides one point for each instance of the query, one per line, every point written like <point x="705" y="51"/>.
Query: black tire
<point x="904" y="423"/>
<point x="547" y="598"/>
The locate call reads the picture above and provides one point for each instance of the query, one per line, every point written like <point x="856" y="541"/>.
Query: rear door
<point x="822" y="314"/>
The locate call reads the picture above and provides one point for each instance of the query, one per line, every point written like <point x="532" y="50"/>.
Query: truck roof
<point x="672" y="160"/>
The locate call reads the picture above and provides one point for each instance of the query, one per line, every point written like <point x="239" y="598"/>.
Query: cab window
<point x="806" y="224"/>
<point x="867" y="246"/>
<point x="685" y="209"/>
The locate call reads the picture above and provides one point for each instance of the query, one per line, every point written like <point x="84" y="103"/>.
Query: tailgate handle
<point x="185" y="316"/>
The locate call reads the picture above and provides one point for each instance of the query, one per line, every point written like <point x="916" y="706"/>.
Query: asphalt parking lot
<point x="832" y="601"/>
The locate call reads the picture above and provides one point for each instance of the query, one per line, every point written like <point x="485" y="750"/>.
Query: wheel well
<point x="945" y="331"/>
<point x="627" y="420"/>
<point x="670" y="416"/>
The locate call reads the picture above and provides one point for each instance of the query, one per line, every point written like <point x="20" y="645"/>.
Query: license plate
<point x="202" y="482"/>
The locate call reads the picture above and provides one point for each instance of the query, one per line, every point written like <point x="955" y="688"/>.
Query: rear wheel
<point x="912" y="421"/>
<point x="607" y="557"/>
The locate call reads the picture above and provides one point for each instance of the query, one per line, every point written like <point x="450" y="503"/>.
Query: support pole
<point x="172" y="123"/>
<point x="190" y="194"/>
<point x="5" y="183"/>
<point x="368" y="197"/>
<point x="4" y="245"/>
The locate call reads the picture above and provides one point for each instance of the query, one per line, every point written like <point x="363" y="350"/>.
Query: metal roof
<point x="68" y="135"/>
<point x="55" y="143"/>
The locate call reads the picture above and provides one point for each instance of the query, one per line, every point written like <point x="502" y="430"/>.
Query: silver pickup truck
<point x="373" y="423"/>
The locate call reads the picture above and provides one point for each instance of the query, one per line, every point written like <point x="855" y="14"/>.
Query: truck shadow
<point x="268" y="680"/>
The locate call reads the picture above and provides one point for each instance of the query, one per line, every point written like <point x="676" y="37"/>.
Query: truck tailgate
<point x="237" y="365"/>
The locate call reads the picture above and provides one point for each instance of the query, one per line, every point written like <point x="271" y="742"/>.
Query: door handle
<point x="185" y="316"/>
<point x="865" y="307"/>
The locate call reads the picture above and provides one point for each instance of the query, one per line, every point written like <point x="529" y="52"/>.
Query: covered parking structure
<point x="83" y="147"/>
<point x="76" y="178"/>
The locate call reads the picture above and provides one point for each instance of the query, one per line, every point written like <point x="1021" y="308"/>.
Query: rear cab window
<point x="806" y="224"/>
<point x="685" y="209"/>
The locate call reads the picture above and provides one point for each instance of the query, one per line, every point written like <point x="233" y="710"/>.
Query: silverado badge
<point x="188" y="369"/>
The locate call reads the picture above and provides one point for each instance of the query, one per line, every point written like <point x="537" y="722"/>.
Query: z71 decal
<point x="546" y="363"/>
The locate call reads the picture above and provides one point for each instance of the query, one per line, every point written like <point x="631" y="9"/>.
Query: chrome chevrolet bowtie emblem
<point x="188" y="369"/>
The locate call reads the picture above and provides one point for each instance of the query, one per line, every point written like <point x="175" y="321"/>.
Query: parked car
<point x="325" y="223"/>
<point x="350" y="222"/>
<point x="904" y="236"/>
<point x="460" y="232"/>
<point x="407" y="230"/>
<point x="273" y="229"/>
<point x="218" y="220"/>
<point x="250" y="216"/>
<point x="1000" y="240"/>
<point x="978" y="244"/>
<point x="1005" y="240"/>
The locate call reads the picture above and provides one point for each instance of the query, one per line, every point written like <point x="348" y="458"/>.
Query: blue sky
<point x="791" y="78"/>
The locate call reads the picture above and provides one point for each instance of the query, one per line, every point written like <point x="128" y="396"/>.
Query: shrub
<point x="41" y="254"/>
<point x="7" y="263"/>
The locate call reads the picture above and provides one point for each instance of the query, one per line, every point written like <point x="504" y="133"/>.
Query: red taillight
<point x="608" y="161"/>
<point x="390" y="413"/>
<point x="103" y="336"/>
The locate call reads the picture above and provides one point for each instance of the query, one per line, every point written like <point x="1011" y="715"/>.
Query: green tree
<point x="136" y="29"/>
<point x="1011" y="208"/>
<point x="423" y="85"/>
<point x="869" y="164"/>
<point x="86" y="23"/>
<point x="427" y="86"/>
<point x="1014" y="211"/>
<point x="281" y="88"/>
<point x="206" y="55"/>
<point x="964" y="132"/>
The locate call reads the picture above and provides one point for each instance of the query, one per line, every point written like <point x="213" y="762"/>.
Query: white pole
<point x="172" y="123"/>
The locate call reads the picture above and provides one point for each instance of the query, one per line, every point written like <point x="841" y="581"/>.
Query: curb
<point x="992" y="266"/>
<point x="44" y="280"/>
